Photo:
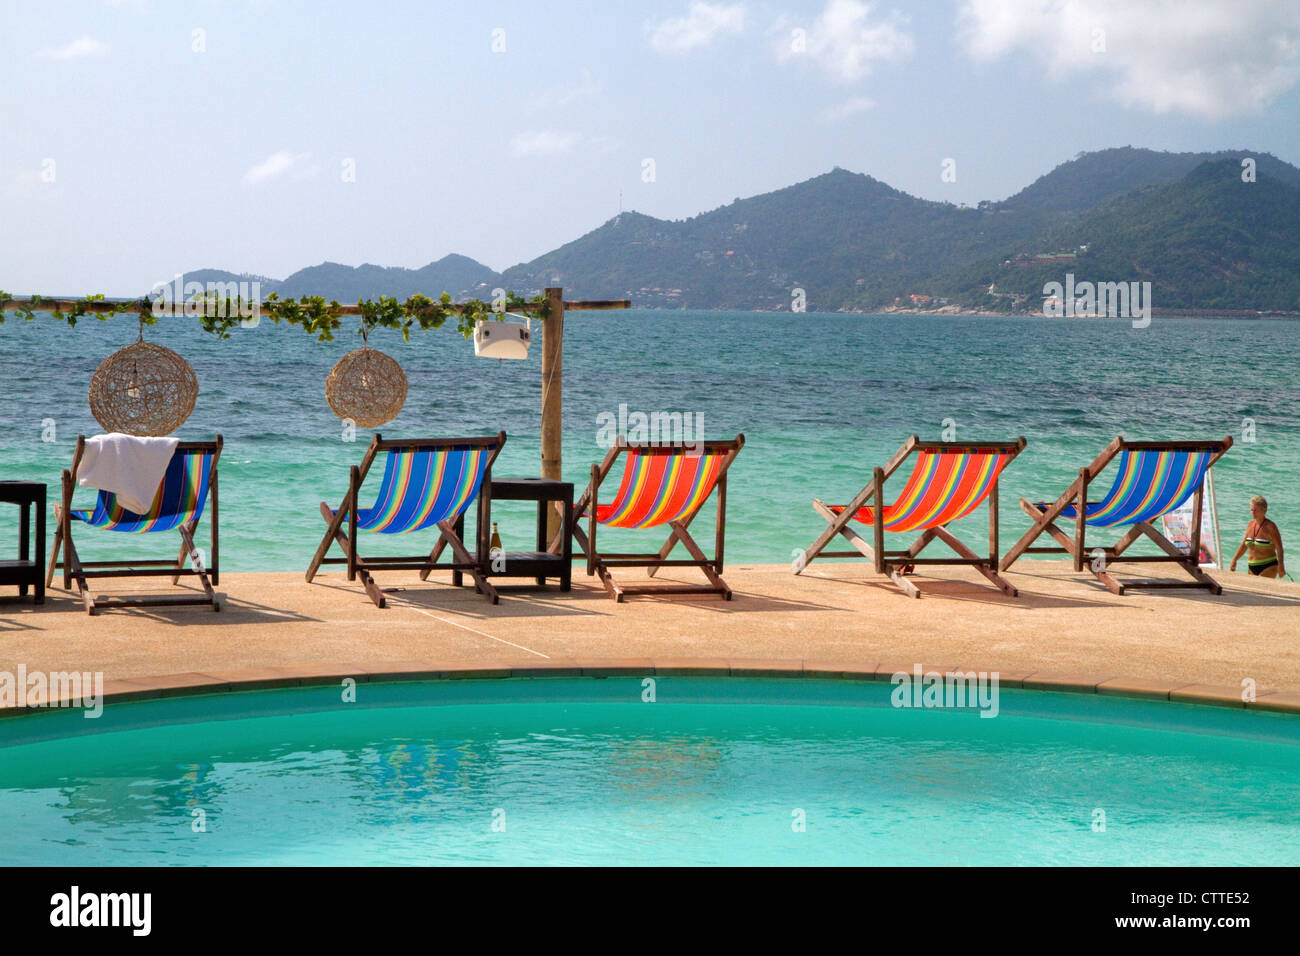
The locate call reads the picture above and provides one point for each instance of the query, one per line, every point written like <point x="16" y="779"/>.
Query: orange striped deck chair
<point x="664" y="484"/>
<point x="1151" y="479"/>
<point x="189" y="482"/>
<point x="427" y="483"/>
<point x="949" y="480"/>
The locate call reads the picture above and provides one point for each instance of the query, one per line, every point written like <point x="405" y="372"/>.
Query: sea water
<point x="821" y="399"/>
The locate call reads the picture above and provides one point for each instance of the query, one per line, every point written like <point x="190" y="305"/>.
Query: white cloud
<point x="703" y="23"/>
<point x="1203" y="57"/>
<point x="543" y="142"/>
<point x="850" y="107"/>
<point x="549" y="142"/>
<point x="82" y="46"/>
<point x="584" y="88"/>
<point x="296" y="165"/>
<point x="846" y="41"/>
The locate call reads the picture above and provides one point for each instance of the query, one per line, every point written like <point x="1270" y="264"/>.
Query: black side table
<point x="26" y="571"/>
<point x="542" y="563"/>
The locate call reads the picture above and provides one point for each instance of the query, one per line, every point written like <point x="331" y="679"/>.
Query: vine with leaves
<point x="314" y="314"/>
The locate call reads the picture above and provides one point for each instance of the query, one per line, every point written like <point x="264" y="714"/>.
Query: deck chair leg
<point x="904" y="585"/>
<point x="1191" y="567"/>
<point x="463" y="556"/>
<point x="372" y="589"/>
<point x="849" y="534"/>
<point x="986" y="568"/>
<point x="607" y="579"/>
<point x="1066" y="542"/>
<point x="363" y="572"/>
<point x="679" y="530"/>
<point x="1043" y="519"/>
<point x="667" y="549"/>
<point x="580" y="536"/>
<point x="187" y="539"/>
<point x="67" y="547"/>
<point x="54" y="553"/>
<point x="334" y="521"/>
<point x="595" y="565"/>
<point x="72" y="564"/>
<point x="433" y="557"/>
<point x="836" y="524"/>
<point x="185" y="549"/>
<point x="895" y="571"/>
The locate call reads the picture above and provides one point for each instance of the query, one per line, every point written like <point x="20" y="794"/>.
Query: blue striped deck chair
<point x="1151" y="479"/>
<point x="188" y="483"/>
<point x="427" y="483"/>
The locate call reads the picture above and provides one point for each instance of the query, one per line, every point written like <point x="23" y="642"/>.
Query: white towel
<point x="126" y="465"/>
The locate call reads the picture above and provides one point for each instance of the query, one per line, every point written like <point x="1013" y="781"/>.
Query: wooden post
<point x="553" y="398"/>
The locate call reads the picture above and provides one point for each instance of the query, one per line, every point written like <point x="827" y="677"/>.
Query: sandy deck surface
<point x="836" y="613"/>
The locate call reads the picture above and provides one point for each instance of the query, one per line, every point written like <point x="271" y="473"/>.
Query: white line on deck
<point x="420" y="610"/>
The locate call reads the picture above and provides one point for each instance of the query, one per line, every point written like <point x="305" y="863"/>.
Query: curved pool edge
<point x="276" y="677"/>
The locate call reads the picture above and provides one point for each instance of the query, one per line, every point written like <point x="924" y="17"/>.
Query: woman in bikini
<point x="1262" y="543"/>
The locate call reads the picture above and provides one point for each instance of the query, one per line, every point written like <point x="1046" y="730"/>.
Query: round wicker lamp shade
<point x="367" y="387"/>
<point x="143" y="389"/>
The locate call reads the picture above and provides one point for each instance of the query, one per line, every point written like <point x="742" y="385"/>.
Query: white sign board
<point x="1178" y="526"/>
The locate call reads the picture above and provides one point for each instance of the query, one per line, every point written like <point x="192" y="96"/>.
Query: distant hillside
<point x="221" y="275"/>
<point x="458" y="275"/>
<point x="1185" y="221"/>
<point x="1206" y="241"/>
<point x="842" y="237"/>
<point x="1091" y="179"/>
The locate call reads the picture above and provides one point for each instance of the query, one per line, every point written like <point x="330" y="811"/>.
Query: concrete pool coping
<point x="1064" y="633"/>
<point x="273" y="678"/>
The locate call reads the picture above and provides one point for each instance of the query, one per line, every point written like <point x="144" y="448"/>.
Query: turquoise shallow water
<point x="584" y="771"/>
<point x="820" y="398"/>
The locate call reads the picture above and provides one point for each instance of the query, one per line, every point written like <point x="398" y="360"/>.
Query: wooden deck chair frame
<point x="451" y="533"/>
<point x="600" y="564"/>
<point x="1097" y="560"/>
<point x="74" y="568"/>
<point x="895" y="563"/>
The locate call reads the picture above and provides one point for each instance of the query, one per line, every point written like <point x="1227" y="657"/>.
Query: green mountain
<point x="1184" y="221"/>
<point x="841" y="237"/>
<point x="1207" y="241"/>
<point x="1091" y="179"/>
<point x="459" y="275"/>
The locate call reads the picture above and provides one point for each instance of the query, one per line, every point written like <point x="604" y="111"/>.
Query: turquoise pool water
<point x="585" y="771"/>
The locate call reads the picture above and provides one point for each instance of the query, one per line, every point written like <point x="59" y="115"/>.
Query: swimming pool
<point x="590" y="771"/>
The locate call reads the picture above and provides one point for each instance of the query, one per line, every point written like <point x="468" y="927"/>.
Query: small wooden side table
<point x="27" y="570"/>
<point x="542" y="563"/>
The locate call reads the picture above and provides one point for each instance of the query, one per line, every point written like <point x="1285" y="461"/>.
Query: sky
<point x="144" y="138"/>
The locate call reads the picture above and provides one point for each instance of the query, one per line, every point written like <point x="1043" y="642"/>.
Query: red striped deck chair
<point x="427" y="483"/>
<point x="188" y="483"/>
<point x="949" y="480"/>
<point x="1152" y="479"/>
<point x="662" y="485"/>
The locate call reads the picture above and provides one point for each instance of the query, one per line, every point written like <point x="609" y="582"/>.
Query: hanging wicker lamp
<point x="143" y="389"/>
<point x="367" y="387"/>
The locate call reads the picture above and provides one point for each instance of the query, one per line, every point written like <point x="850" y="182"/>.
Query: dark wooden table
<point x="542" y="563"/>
<point x="26" y="571"/>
